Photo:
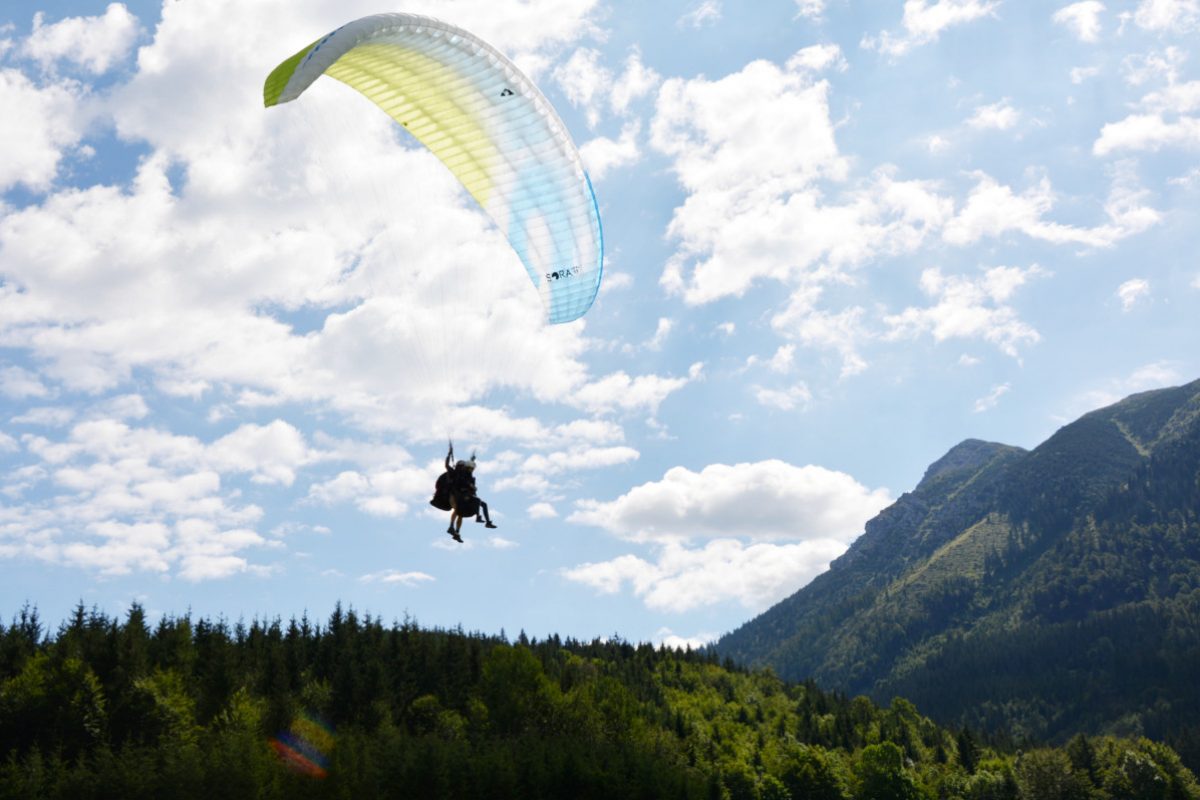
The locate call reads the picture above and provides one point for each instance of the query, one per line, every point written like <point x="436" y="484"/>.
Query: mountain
<point x="1045" y="592"/>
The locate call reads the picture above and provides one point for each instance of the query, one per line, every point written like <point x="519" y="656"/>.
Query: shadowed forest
<point x="195" y="708"/>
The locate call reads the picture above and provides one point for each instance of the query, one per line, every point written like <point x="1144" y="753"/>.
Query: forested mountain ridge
<point x="105" y="708"/>
<point x="1046" y="592"/>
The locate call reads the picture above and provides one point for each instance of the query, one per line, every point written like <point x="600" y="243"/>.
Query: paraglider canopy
<point x="473" y="109"/>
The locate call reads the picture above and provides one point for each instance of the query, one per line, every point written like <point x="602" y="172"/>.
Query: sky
<point x="841" y="236"/>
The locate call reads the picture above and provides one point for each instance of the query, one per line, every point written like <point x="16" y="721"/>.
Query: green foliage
<point x="430" y="713"/>
<point x="1031" y="595"/>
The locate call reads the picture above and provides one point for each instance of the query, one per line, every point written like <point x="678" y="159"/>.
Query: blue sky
<point x="841" y="237"/>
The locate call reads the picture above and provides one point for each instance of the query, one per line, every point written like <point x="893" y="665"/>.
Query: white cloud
<point x="665" y="326"/>
<point x="270" y="453"/>
<point x="541" y="511"/>
<point x="783" y="360"/>
<point x="49" y="416"/>
<point x="752" y="150"/>
<point x="1147" y="132"/>
<point x="1132" y="291"/>
<point x="969" y="308"/>
<point x="683" y="579"/>
<point x="1082" y="19"/>
<point x="1165" y="65"/>
<point x="584" y="81"/>
<point x="500" y="543"/>
<point x="818" y="57"/>
<point x="810" y="9"/>
<point x="635" y="81"/>
<point x="668" y="638"/>
<point x="619" y="392"/>
<point x="707" y="12"/>
<point x="535" y="473"/>
<point x="409" y="579"/>
<point x="842" y="332"/>
<point x="992" y="210"/>
<point x="783" y="399"/>
<point x="999" y="116"/>
<point x="924" y="23"/>
<point x="601" y="155"/>
<point x="20" y="383"/>
<point x="384" y="492"/>
<point x="38" y="125"/>
<point x="140" y="281"/>
<point x="94" y="43"/>
<point x="966" y="360"/>
<point x="1177" y="98"/>
<point x="763" y="501"/>
<point x="126" y="406"/>
<point x="125" y="499"/>
<point x="8" y="444"/>
<point x="1179" y="16"/>
<point x="1081" y="74"/>
<point x="988" y="402"/>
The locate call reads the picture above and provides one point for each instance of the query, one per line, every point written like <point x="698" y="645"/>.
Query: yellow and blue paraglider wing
<point x="473" y="109"/>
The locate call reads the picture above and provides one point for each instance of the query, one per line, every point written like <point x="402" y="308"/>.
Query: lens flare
<point x="305" y="747"/>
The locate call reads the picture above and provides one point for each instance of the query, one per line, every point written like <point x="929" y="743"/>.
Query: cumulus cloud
<point x="591" y="86"/>
<point x="1082" y="19"/>
<point x="765" y="501"/>
<point x="999" y="116"/>
<point x="49" y="416"/>
<point x="192" y="282"/>
<point x="1164" y="118"/>
<point x="752" y="150"/>
<point x="123" y="499"/>
<point x="1168" y="15"/>
<point x="601" y="155"/>
<point x="39" y="125"/>
<point x="668" y="638"/>
<point x="783" y="399"/>
<point x="635" y="81"/>
<point x="764" y="530"/>
<point x="583" y="79"/>
<point x="818" y="57"/>
<point x="966" y="307"/>
<point x="993" y="209"/>
<point x="620" y="392"/>
<point x="1132" y="291"/>
<point x="19" y="384"/>
<point x="682" y="579"/>
<point x="1147" y="132"/>
<point x="810" y="9"/>
<point x="92" y="43"/>
<point x="925" y="22"/>
<point x="536" y="472"/>
<point x="408" y="579"/>
<point x="380" y="492"/>
<point x="844" y="331"/>
<point x="541" y="511"/>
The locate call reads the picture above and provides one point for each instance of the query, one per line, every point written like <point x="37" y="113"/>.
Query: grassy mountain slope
<point x="1045" y="592"/>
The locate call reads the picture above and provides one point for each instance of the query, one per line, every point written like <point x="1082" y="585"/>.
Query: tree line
<point x="106" y="707"/>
